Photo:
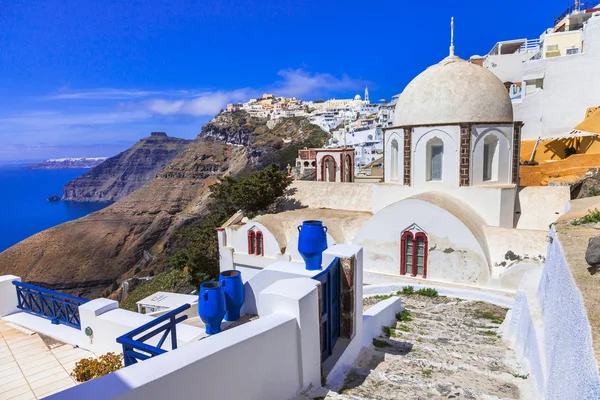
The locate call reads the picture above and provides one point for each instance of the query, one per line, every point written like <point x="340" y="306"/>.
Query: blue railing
<point x="59" y="307"/>
<point x="583" y="5"/>
<point x="135" y="349"/>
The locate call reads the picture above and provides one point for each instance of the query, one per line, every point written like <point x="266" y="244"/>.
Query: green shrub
<point x="429" y="292"/>
<point x="404" y="328"/>
<point x="407" y="290"/>
<point x="404" y="316"/>
<point x="380" y="343"/>
<point x="591" y="217"/>
<point x="387" y="331"/>
<point x="91" y="368"/>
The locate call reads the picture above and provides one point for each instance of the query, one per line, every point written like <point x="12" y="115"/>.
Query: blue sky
<point x="90" y="78"/>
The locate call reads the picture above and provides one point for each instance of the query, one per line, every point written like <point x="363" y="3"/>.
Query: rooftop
<point x="34" y="366"/>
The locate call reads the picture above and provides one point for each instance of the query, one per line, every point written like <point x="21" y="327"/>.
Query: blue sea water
<point x="24" y="208"/>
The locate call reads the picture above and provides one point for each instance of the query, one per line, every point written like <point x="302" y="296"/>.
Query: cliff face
<point x="87" y="256"/>
<point x="120" y="175"/>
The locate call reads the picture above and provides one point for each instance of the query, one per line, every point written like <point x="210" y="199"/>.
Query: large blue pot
<point x="231" y="281"/>
<point x="312" y="242"/>
<point x="211" y="306"/>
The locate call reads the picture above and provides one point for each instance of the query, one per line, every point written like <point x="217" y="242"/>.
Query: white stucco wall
<point x="450" y="136"/>
<point x="273" y="357"/>
<point x="494" y="204"/>
<point x="8" y="295"/>
<point x="341" y="196"/>
<point x="539" y="206"/>
<point x="394" y="162"/>
<point x="502" y="170"/>
<point x="507" y="67"/>
<point x="455" y="254"/>
<point x="551" y="332"/>
<point x="108" y="322"/>
<point x="567" y="336"/>
<point x="568" y="89"/>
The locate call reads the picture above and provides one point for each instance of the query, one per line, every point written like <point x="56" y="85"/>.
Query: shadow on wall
<point x="289" y="202"/>
<point x="517" y="214"/>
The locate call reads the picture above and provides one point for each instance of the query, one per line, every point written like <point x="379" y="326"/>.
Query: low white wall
<point x="551" y="332"/>
<point x="340" y="196"/>
<point x="380" y="315"/>
<point x="502" y="299"/>
<point x="567" y="336"/>
<point x="273" y="357"/>
<point x="108" y="322"/>
<point x="539" y="206"/>
<point x="257" y="360"/>
<point x="8" y="295"/>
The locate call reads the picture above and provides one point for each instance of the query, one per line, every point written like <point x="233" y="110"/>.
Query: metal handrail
<point x="132" y="347"/>
<point x="59" y="307"/>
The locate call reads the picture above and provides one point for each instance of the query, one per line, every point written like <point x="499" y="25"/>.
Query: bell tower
<point x="367" y="96"/>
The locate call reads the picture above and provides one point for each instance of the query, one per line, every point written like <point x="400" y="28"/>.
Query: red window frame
<point x="256" y="243"/>
<point x="323" y="161"/>
<point x="260" y="243"/>
<point x="251" y="242"/>
<point x="409" y="236"/>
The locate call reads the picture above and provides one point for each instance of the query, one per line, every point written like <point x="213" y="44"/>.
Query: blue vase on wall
<point x="211" y="306"/>
<point x="233" y="287"/>
<point x="312" y="242"/>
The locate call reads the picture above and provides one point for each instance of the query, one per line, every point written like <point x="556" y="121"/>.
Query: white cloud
<point x="203" y="104"/>
<point x="56" y="119"/>
<point x="294" y="83"/>
<point x="300" y="83"/>
<point x="104" y="94"/>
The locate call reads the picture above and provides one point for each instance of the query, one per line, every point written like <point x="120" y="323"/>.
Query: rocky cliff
<point x="120" y="175"/>
<point x="86" y="257"/>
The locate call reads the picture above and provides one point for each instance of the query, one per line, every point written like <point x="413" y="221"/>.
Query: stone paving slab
<point x="32" y="369"/>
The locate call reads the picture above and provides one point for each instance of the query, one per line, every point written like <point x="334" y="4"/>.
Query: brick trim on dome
<point x="516" y="151"/>
<point x="465" y="155"/>
<point x="407" y="155"/>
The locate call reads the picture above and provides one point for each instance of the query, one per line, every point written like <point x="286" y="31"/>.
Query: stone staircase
<point x="449" y="350"/>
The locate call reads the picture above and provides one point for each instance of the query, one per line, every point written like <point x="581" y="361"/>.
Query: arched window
<point x="490" y="158"/>
<point x="328" y="169"/>
<point x="406" y="252"/>
<point x="394" y="148"/>
<point x="251" y="242"/>
<point x="259" y="244"/>
<point x="348" y="169"/>
<point x="413" y="254"/>
<point x="255" y="243"/>
<point x="435" y="159"/>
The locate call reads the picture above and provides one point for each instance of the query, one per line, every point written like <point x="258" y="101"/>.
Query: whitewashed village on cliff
<point x="434" y="247"/>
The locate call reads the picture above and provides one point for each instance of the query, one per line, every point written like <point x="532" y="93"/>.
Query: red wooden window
<point x="259" y="244"/>
<point x="413" y="254"/>
<point x="255" y="243"/>
<point x="251" y="242"/>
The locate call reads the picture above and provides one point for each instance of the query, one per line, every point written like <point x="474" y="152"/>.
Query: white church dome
<point x="453" y="91"/>
<point x="357" y="97"/>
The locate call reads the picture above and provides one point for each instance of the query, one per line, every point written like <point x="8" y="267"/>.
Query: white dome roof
<point x="357" y="97"/>
<point x="453" y="91"/>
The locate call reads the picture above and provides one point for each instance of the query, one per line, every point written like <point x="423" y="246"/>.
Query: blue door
<point x="330" y="308"/>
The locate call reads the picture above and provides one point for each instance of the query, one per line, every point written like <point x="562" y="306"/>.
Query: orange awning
<point x="592" y="123"/>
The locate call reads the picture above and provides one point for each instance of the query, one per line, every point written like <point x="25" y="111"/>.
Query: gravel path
<point x="447" y="348"/>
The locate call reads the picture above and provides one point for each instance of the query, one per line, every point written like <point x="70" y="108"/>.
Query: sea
<point x="24" y="206"/>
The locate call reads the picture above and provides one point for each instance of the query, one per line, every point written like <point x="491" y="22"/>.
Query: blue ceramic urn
<point x="312" y="242"/>
<point x="211" y="306"/>
<point x="233" y="287"/>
